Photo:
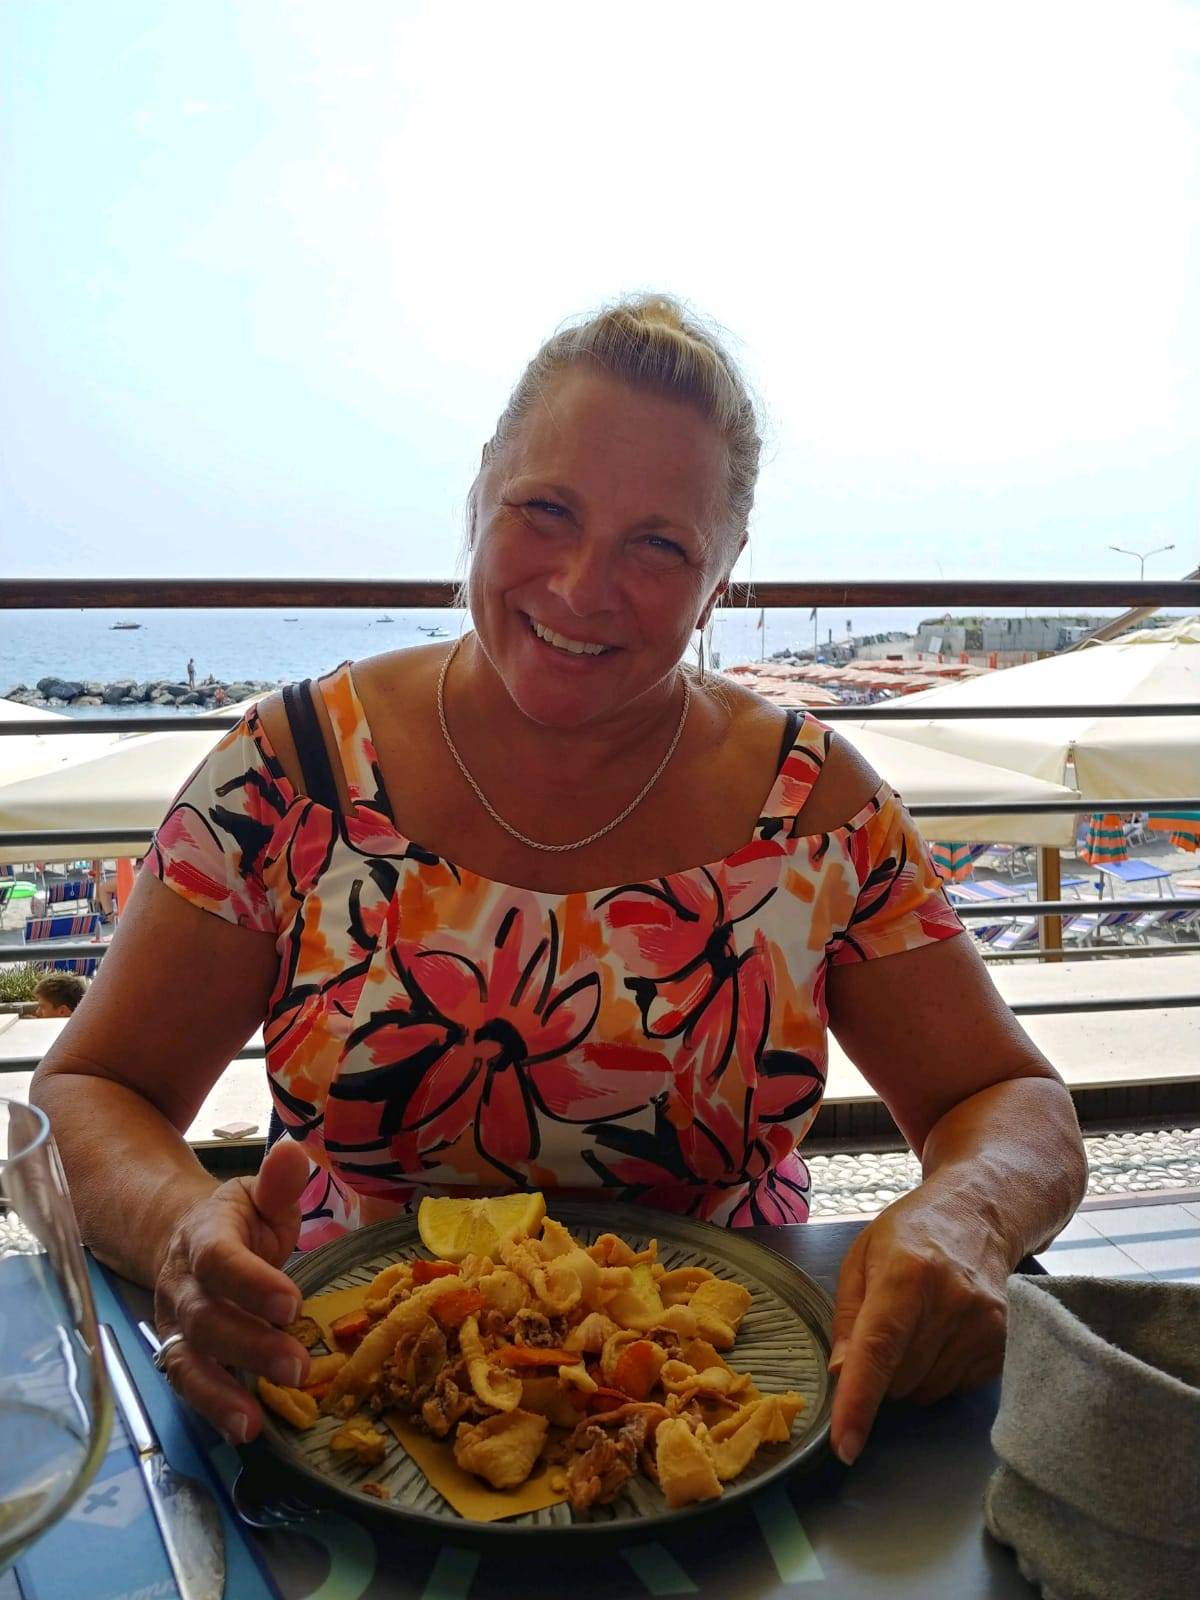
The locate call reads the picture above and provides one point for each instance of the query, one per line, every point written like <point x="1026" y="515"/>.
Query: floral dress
<point x="432" y="1031"/>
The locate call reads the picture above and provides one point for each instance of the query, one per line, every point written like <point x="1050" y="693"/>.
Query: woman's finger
<point x="850" y="1289"/>
<point x="877" y="1344"/>
<point x="277" y="1186"/>
<point x="210" y="1390"/>
<point x="972" y="1355"/>
<point x="227" y="1269"/>
<point x="227" y="1334"/>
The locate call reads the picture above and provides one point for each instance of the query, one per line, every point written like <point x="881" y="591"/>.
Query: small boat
<point x="291" y="619"/>
<point x="384" y="618"/>
<point x="124" y="627"/>
<point x="434" y="633"/>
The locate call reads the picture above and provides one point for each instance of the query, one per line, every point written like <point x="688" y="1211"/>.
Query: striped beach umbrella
<point x="1105" y="839"/>
<point x="954" y="861"/>
<point x="1181" y="827"/>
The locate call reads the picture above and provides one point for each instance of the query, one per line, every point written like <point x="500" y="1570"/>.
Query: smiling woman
<point x="544" y="910"/>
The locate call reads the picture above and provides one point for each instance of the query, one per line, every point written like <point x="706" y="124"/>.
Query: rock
<point x="190" y="699"/>
<point x="89" y="700"/>
<point x="53" y="700"/>
<point x="243" y="691"/>
<point x="95" y="688"/>
<point x="129" y="700"/>
<point x="59" y="688"/>
<point x="120" y="693"/>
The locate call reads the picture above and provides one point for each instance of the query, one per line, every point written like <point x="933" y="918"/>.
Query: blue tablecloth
<point x="108" y="1547"/>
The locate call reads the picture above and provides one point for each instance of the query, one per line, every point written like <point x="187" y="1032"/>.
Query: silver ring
<point x="164" y="1350"/>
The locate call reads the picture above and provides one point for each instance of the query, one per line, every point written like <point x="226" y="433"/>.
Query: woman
<point x="543" y="909"/>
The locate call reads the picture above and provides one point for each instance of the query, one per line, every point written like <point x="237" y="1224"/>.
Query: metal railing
<point x="426" y="594"/>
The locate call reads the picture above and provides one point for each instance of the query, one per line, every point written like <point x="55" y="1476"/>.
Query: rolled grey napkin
<point x="1098" y="1434"/>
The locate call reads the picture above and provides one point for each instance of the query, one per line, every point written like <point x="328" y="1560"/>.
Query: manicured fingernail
<point x="850" y="1448"/>
<point x="283" y="1308"/>
<point x="236" y="1428"/>
<point x="837" y="1355"/>
<point x="286" y="1370"/>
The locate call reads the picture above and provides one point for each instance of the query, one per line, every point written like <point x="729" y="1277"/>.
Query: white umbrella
<point x="1114" y="757"/>
<point x="131" y="787"/>
<point x="124" y="782"/>
<point x="24" y="754"/>
<point x="924" y="776"/>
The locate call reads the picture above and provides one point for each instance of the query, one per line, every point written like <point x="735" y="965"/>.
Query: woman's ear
<point x="711" y="604"/>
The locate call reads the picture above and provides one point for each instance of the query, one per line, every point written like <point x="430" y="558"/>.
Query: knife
<point x="185" y="1511"/>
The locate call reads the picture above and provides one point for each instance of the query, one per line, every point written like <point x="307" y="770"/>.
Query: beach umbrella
<point x="955" y="862"/>
<point x="1181" y="827"/>
<point x="1116" y="758"/>
<point x="1104" y="840"/>
<point x="132" y="785"/>
<point x="121" y="782"/>
<point x="22" y="755"/>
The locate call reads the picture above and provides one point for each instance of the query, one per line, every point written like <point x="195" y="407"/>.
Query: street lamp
<point x="1138" y="556"/>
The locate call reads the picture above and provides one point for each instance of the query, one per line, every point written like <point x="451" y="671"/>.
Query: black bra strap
<point x="790" y="729"/>
<point x="316" y="770"/>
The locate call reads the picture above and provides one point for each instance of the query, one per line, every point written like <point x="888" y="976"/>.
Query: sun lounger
<point x="1091" y="927"/>
<point x="46" y="930"/>
<point x="1175" y="923"/>
<point x="1018" y="935"/>
<point x="74" y="892"/>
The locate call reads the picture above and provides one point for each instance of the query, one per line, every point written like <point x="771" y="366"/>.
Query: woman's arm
<point x="921" y="1299"/>
<point x="175" y="999"/>
<point x="977" y="1101"/>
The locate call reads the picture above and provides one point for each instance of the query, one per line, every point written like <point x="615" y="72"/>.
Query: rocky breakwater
<point x="125" y="692"/>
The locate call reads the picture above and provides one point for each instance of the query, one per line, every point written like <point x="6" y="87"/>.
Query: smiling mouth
<point x="571" y="647"/>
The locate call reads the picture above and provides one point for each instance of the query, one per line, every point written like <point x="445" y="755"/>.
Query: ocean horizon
<point x="275" y="646"/>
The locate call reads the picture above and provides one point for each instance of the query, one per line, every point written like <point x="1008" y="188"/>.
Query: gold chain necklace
<point x="536" y="844"/>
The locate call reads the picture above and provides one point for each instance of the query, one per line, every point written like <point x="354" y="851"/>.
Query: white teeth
<point x="575" y="647"/>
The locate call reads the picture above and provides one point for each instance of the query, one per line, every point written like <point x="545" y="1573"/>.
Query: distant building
<point x="1009" y="640"/>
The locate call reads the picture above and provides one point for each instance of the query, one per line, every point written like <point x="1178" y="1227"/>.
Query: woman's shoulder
<point x="385" y="685"/>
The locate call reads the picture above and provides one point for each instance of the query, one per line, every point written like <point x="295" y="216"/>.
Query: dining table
<point x="905" y="1521"/>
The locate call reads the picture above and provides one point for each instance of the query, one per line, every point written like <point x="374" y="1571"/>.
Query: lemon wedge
<point x="452" y="1228"/>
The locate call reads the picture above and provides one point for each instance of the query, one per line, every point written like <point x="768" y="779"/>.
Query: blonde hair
<point x="651" y="343"/>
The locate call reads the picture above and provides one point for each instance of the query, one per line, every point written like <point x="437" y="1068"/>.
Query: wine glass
<point x="55" y="1404"/>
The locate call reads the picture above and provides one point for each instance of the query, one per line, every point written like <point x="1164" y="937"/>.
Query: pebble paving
<point x="1118" y="1163"/>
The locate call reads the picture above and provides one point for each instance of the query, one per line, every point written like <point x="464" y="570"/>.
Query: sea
<point x="278" y="647"/>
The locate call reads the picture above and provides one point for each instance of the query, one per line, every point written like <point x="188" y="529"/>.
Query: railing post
<point x="1049" y="887"/>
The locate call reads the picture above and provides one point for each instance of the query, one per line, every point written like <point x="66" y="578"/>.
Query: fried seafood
<point x="359" y="1439"/>
<point x="503" y="1449"/>
<point x="293" y="1405"/>
<point x="489" y="1352"/>
<point x="305" y="1331"/>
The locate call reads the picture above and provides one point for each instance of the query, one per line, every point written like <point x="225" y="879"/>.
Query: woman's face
<point x="599" y="548"/>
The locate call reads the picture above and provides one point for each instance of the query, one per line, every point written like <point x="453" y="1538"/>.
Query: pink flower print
<point x="478" y="1047"/>
<point x="676" y="935"/>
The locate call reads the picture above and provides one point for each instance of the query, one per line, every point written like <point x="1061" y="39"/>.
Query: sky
<point x="268" y="270"/>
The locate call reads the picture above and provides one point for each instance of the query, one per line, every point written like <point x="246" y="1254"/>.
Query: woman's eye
<point x="663" y="551"/>
<point x="550" y="507"/>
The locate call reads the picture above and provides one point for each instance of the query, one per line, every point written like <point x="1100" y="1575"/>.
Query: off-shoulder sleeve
<point x="901" y="903"/>
<point x="211" y="845"/>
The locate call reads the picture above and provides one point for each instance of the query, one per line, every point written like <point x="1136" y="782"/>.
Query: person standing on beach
<point x="191" y="673"/>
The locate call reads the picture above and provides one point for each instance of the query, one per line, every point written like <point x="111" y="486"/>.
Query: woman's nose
<point x="585" y="582"/>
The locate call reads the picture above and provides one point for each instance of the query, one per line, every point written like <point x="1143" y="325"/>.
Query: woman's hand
<point x="219" y="1285"/>
<point x="920" y="1312"/>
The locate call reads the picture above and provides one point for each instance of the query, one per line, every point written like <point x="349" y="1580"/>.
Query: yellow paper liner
<point x="469" y="1496"/>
